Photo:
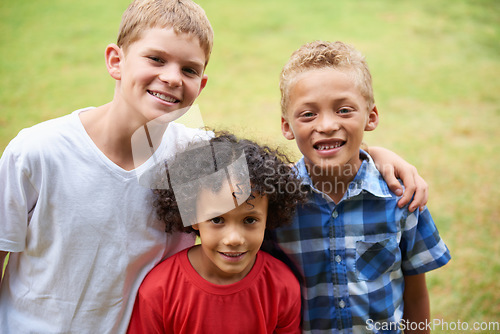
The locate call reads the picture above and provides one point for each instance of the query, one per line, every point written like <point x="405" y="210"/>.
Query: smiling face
<point x="327" y="116"/>
<point x="159" y="73"/>
<point x="229" y="241"/>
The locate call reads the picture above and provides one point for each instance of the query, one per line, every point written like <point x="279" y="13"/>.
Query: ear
<point x="204" y="81"/>
<point x="372" y="121"/>
<point x="195" y="227"/>
<point x="286" y="129"/>
<point x="114" y="56"/>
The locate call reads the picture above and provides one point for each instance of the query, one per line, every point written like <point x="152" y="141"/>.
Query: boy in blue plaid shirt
<point x="363" y="259"/>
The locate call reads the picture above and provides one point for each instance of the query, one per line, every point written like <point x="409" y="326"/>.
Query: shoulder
<point x="43" y="135"/>
<point x="279" y="282"/>
<point x="35" y="145"/>
<point x="167" y="267"/>
<point x="177" y="137"/>
<point x="277" y="272"/>
<point x="370" y="184"/>
<point x="184" y="134"/>
<point x="164" y="276"/>
<point x="272" y="262"/>
<point x="370" y="177"/>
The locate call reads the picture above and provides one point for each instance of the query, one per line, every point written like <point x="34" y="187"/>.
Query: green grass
<point x="436" y="71"/>
<point x="4" y="265"/>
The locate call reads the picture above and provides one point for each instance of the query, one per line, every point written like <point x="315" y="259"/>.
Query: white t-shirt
<point x="81" y="231"/>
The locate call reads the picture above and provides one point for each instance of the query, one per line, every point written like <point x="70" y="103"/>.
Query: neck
<point x="209" y="272"/>
<point x="113" y="133"/>
<point x="334" y="180"/>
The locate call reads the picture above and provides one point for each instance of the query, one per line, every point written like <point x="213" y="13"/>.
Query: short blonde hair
<point x="183" y="16"/>
<point x="320" y="54"/>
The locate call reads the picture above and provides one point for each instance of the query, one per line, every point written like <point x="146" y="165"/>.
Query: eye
<point x="217" y="220"/>
<point x="344" y="110"/>
<point x="156" y="59"/>
<point x="250" y="220"/>
<point x="307" y="114"/>
<point x="190" y="70"/>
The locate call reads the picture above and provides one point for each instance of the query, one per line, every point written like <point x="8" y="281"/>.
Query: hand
<point x="392" y="167"/>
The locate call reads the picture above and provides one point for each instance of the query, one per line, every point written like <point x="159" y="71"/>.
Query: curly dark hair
<point x="270" y="172"/>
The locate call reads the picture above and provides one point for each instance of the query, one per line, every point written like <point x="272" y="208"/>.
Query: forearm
<point x="386" y="160"/>
<point x="416" y="305"/>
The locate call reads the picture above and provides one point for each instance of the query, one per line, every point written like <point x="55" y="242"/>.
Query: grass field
<point x="436" y="74"/>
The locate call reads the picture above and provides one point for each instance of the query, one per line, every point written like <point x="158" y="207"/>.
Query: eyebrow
<point x="340" y="100"/>
<point x="214" y="214"/>
<point x="190" y="62"/>
<point x="255" y="212"/>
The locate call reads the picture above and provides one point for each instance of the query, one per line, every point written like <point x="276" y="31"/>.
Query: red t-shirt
<point x="174" y="298"/>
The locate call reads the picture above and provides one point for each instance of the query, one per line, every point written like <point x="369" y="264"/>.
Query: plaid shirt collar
<point x="363" y="181"/>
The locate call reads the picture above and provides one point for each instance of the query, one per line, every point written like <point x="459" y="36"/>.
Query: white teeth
<point x="232" y="255"/>
<point x="328" y="147"/>
<point x="163" y="97"/>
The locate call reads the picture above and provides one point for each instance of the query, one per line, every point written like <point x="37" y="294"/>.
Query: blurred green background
<point x="436" y="71"/>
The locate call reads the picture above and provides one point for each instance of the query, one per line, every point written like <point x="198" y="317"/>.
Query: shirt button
<point x="342" y="304"/>
<point x="335" y="214"/>
<point x="338" y="258"/>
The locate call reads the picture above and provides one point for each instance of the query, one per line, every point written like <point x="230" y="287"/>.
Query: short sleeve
<point x="18" y="197"/>
<point x="421" y="246"/>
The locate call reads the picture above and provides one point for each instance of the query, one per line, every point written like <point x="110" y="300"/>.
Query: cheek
<point x="257" y="236"/>
<point x="302" y="135"/>
<point x="194" y="86"/>
<point x="208" y="237"/>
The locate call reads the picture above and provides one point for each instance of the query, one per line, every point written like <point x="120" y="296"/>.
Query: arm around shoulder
<point x="392" y="167"/>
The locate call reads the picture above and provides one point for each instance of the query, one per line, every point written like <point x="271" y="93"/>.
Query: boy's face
<point x="161" y="72"/>
<point x="327" y="115"/>
<point x="229" y="241"/>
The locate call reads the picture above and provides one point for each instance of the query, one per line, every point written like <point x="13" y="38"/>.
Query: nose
<point x="327" y="123"/>
<point x="233" y="235"/>
<point x="171" y="75"/>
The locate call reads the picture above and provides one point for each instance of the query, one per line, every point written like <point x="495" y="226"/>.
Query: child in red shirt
<point x="228" y="191"/>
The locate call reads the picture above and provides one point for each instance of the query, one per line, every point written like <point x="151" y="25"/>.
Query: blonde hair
<point x="320" y="54"/>
<point x="183" y="16"/>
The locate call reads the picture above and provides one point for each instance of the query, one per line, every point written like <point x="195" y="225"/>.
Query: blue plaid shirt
<point x="353" y="256"/>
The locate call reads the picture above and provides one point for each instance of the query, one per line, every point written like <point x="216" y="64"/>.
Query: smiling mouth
<point x="163" y="97"/>
<point x="324" y="147"/>
<point x="232" y="254"/>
